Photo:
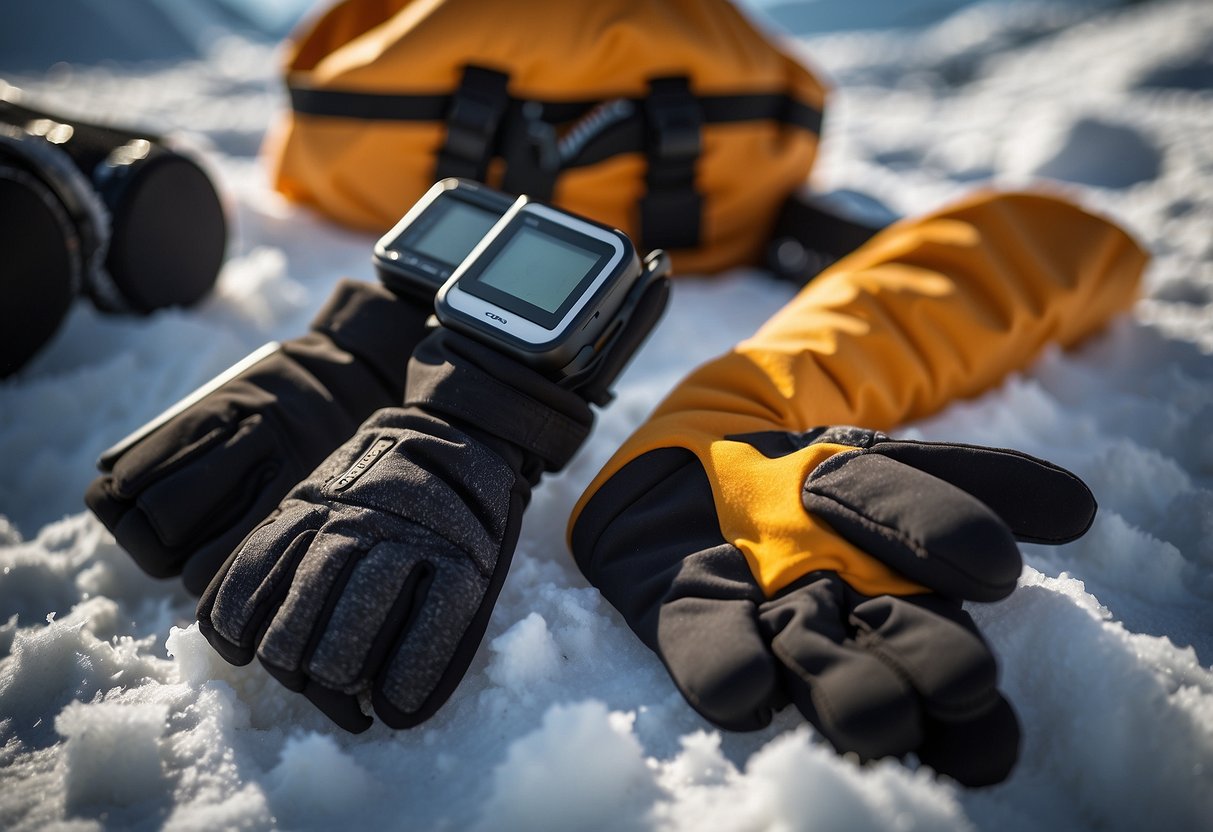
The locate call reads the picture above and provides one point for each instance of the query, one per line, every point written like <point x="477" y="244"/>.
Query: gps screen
<point x="453" y="233"/>
<point x="539" y="269"/>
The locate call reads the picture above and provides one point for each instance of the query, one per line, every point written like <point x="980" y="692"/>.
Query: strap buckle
<point x="675" y="121"/>
<point x="671" y="211"/>
<point x="531" y="152"/>
<point x="477" y="108"/>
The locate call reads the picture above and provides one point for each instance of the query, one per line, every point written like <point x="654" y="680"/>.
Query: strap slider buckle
<point x="674" y="119"/>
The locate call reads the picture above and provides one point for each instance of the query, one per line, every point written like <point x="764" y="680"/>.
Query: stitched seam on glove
<point x="125" y="488"/>
<point x="821" y="702"/>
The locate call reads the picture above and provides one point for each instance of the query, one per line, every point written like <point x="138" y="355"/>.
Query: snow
<point x="115" y="713"/>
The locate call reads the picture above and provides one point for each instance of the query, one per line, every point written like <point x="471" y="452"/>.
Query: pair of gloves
<point x="347" y="505"/>
<point x="766" y="560"/>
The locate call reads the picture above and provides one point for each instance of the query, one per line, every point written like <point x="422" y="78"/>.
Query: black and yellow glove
<point x="769" y="563"/>
<point x="878" y="673"/>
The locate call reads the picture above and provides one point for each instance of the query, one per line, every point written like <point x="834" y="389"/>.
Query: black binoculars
<point x="113" y="214"/>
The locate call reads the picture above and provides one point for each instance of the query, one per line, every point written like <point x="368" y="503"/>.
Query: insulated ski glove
<point x="697" y="532"/>
<point x="877" y="673"/>
<point x="180" y="494"/>
<point x="372" y="583"/>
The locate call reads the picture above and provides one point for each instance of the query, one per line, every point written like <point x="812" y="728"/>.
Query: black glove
<point x="372" y="584"/>
<point x="181" y="494"/>
<point x="882" y="673"/>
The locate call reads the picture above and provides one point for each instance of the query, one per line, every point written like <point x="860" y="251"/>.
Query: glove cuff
<point x="378" y="327"/>
<point x="456" y="377"/>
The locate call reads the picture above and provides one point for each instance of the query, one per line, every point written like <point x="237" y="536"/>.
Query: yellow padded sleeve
<point x="930" y="310"/>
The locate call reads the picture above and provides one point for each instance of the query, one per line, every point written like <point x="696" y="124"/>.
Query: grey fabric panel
<point x="358" y="618"/>
<point x="453" y="486"/>
<point x="290" y="629"/>
<point x="434" y="497"/>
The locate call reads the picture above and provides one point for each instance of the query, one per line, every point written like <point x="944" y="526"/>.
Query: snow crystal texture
<point x="115" y="713"/>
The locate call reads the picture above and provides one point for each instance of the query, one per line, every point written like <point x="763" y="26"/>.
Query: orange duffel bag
<point x="676" y="121"/>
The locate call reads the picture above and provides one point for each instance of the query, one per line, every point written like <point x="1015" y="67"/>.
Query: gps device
<point x="423" y="250"/>
<point x="546" y="287"/>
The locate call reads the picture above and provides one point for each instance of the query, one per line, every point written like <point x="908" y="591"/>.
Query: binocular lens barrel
<point x="115" y="214"/>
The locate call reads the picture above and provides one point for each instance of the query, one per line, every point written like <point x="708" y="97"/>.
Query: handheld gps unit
<point x="423" y="250"/>
<point x="548" y="288"/>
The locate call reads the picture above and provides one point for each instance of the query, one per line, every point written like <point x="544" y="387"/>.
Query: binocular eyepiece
<point x="113" y="214"/>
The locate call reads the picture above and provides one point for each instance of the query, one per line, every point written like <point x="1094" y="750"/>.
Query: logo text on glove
<point x="363" y="465"/>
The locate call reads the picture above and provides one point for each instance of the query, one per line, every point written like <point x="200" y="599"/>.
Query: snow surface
<point x="114" y="712"/>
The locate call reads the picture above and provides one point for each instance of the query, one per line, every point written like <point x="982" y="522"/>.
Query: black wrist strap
<point x="455" y="377"/>
<point x="374" y="324"/>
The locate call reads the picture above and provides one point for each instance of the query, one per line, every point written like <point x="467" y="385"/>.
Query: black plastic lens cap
<point x="168" y="234"/>
<point x="37" y="251"/>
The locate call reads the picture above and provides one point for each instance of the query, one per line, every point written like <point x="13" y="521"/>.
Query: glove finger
<point x="300" y="619"/>
<point x="922" y="526"/>
<point x="858" y="702"/>
<point x="382" y="582"/>
<point x="934" y="644"/>
<point x="1039" y="501"/>
<point x="431" y="633"/>
<point x="705" y="628"/>
<point x="159" y="501"/>
<point x="716" y="655"/>
<point x="342" y="708"/>
<point x="251" y="584"/>
<point x="981" y="751"/>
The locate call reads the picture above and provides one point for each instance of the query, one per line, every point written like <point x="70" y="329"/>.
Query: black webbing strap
<point x="811" y="233"/>
<point x="472" y="122"/>
<point x="716" y="109"/>
<point x="454" y="376"/>
<point x="671" y="210"/>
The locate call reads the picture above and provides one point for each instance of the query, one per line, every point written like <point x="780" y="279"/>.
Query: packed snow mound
<point x="115" y="712"/>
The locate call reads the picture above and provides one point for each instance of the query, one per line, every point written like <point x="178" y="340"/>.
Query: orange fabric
<point x="368" y="173"/>
<point x="928" y="311"/>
